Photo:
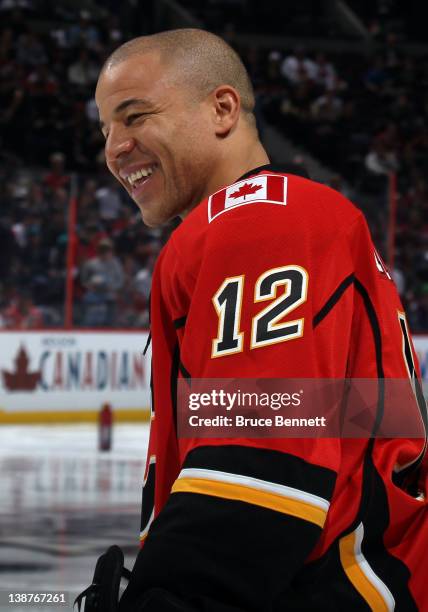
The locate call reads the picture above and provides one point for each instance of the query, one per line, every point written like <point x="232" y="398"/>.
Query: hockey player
<point x="270" y="275"/>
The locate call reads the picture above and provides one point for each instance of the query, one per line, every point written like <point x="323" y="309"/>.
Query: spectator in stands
<point x="297" y="67"/>
<point x="376" y="76"/>
<point x="109" y="268"/>
<point x="22" y="313"/>
<point x="41" y="83"/>
<point x="89" y="236"/>
<point x="30" y="50"/>
<point x="379" y="160"/>
<point x="328" y="107"/>
<point x="324" y="73"/>
<point x="38" y="203"/>
<point x="109" y="199"/>
<point x="96" y="303"/>
<point x="83" y="73"/>
<point x="143" y="281"/>
<point x="36" y="253"/>
<point x="84" y="34"/>
<point x="57" y="177"/>
<point x="87" y="202"/>
<point x="142" y="285"/>
<point x="273" y="68"/>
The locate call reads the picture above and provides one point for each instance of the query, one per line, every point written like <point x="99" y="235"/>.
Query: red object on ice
<point x="105" y="427"/>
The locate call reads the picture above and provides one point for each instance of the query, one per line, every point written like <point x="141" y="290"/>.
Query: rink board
<point x="66" y="376"/>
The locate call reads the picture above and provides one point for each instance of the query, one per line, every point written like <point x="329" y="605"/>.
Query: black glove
<point x="103" y="594"/>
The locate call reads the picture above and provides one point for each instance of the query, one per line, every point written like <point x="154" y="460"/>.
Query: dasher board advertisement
<point x="73" y="373"/>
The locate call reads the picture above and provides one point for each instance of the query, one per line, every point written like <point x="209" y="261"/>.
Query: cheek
<point x="110" y="165"/>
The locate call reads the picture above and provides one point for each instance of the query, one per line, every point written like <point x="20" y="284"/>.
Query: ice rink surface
<point x="63" y="502"/>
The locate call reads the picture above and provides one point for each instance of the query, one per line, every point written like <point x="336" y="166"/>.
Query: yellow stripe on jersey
<point x="253" y="491"/>
<point x="366" y="582"/>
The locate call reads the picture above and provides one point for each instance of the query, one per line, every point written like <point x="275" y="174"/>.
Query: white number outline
<point x="221" y="313"/>
<point x="273" y="324"/>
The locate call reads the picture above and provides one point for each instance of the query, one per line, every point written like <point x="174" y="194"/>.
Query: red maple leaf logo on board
<point x="244" y="190"/>
<point x="21" y="379"/>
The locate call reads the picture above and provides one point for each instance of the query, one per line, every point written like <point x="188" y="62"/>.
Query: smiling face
<point x="160" y="144"/>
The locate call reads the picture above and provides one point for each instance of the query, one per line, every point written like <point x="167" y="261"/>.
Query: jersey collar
<point x="283" y="169"/>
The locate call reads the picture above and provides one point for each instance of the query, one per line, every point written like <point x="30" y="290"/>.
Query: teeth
<point x="139" y="174"/>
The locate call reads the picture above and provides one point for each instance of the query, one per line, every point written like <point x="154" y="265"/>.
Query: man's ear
<point x="226" y="106"/>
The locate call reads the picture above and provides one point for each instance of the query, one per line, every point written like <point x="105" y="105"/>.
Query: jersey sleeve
<point x="237" y="544"/>
<point x="381" y="347"/>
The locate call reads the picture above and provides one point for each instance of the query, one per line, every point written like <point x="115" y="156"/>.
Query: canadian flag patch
<point x="269" y="188"/>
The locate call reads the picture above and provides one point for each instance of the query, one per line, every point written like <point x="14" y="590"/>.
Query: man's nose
<point x="118" y="142"/>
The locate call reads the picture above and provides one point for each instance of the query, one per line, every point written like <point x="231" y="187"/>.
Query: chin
<point x="149" y="221"/>
<point x="152" y="220"/>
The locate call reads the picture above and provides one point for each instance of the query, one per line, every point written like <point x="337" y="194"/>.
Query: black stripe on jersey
<point x="391" y="570"/>
<point x="184" y="372"/>
<point x="149" y="340"/>
<point x="367" y="477"/>
<point x="235" y="553"/>
<point x="148" y="496"/>
<point x="407" y="349"/>
<point x="377" y="338"/>
<point x="181" y="322"/>
<point x="175" y="365"/>
<point x="408" y="477"/>
<point x="264" y="464"/>
<point x="374" y="324"/>
<point x="332" y="300"/>
<point x="413" y="374"/>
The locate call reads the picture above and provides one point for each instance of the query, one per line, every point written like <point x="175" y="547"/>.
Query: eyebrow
<point x="126" y="104"/>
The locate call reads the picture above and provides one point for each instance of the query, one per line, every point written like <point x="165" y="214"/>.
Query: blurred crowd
<point x="364" y="117"/>
<point x="114" y="252"/>
<point x="48" y="132"/>
<point x="47" y="77"/>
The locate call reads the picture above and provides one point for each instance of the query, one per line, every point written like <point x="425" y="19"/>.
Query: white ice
<point x="63" y="502"/>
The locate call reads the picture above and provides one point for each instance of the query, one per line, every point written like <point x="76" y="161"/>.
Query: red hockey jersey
<point x="276" y="276"/>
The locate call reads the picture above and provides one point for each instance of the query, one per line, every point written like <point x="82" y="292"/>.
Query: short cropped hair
<point x="203" y="61"/>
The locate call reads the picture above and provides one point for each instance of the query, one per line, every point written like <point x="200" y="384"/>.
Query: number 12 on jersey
<point x="267" y="326"/>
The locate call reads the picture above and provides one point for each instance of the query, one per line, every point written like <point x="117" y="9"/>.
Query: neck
<point x="231" y="167"/>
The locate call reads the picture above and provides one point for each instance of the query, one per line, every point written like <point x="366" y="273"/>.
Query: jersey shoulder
<point x="263" y="206"/>
<point x="276" y="194"/>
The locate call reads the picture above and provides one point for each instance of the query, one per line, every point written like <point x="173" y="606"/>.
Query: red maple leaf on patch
<point x="244" y="190"/>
